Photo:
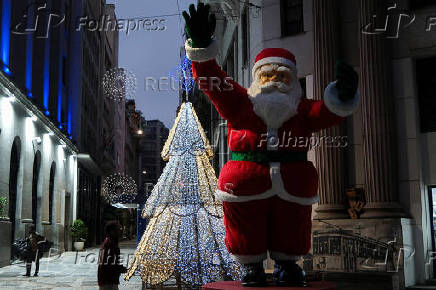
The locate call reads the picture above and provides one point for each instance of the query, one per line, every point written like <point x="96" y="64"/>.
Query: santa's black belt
<point x="269" y="156"/>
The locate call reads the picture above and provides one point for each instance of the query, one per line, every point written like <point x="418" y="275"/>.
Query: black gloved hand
<point x="347" y="81"/>
<point x="200" y="25"/>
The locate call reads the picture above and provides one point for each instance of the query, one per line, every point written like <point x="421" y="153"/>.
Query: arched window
<point x="51" y="191"/>
<point x="13" y="183"/>
<point x="35" y="179"/>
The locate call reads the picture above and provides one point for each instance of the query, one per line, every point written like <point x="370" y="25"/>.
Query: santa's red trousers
<point x="281" y="227"/>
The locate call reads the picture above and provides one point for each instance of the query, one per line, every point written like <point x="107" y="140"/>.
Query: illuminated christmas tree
<point x="185" y="235"/>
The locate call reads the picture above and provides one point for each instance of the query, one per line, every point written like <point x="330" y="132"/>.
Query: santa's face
<point x="271" y="74"/>
<point x="275" y="94"/>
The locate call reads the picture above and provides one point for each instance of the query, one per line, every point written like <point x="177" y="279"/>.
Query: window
<point x="433" y="199"/>
<point x="64" y="71"/>
<point x="148" y="160"/>
<point x="149" y="146"/>
<point x="291" y="12"/>
<point x="417" y="4"/>
<point x="426" y="81"/>
<point x="303" y="86"/>
<point x="432" y="217"/>
<point x="245" y="22"/>
<point x="231" y="63"/>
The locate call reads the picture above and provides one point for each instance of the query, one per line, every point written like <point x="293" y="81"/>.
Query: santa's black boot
<point x="253" y="275"/>
<point x="289" y="274"/>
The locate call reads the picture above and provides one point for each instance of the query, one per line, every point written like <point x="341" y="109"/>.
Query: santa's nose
<point x="275" y="77"/>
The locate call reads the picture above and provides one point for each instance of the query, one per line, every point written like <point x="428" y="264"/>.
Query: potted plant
<point x="3" y="205"/>
<point x="79" y="233"/>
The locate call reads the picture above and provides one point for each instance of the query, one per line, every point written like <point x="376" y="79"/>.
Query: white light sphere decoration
<point x="119" y="84"/>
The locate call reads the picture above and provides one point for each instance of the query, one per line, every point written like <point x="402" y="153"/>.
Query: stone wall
<point x="5" y="247"/>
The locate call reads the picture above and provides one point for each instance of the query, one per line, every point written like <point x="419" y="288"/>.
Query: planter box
<point x="5" y="242"/>
<point x="79" y="246"/>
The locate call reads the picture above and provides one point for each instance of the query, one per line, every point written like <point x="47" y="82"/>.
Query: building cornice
<point x="7" y="88"/>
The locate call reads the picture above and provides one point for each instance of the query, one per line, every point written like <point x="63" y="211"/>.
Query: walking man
<point x="35" y="240"/>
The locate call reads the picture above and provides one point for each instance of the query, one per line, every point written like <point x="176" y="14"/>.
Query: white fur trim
<point x="336" y="106"/>
<point x="249" y="259"/>
<point x="276" y="189"/>
<point x="270" y="60"/>
<point x="201" y="54"/>
<point x="278" y="256"/>
<point x="225" y="196"/>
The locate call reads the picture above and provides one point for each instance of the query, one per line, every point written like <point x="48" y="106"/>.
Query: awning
<point x="86" y="161"/>
<point x="124" y="206"/>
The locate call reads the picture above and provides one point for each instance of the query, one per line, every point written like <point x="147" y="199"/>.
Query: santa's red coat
<point x="267" y="206"/>
<point x="245" y="180"/>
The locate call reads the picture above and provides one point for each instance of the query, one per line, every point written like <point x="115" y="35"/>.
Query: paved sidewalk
<point x="71" y="270"/>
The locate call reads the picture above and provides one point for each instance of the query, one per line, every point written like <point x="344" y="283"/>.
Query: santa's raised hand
<point x="347" y="81"/>
<point x="200" y="25"/>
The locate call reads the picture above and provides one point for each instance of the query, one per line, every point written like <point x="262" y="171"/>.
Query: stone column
<point x="379" y="148"/>
<point x="329" y="161"/>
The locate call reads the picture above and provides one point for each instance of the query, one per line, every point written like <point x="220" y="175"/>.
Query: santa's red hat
<point x="274" y="55"/>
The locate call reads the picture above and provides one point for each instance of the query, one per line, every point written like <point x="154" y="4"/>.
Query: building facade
<point x="94" y="123"/>
<point x="151" y="164"/>
<point x="391" y="138"/>
<point x="39" y="159"/>
<point x="55" y="63"/>
<point x="108" y="160"/>
<point x="132" y="136"/>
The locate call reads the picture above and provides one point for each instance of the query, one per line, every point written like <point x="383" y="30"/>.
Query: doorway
<point x="35" y="179"/>
<point x="432" y="201"/>
<point x="13" y="185"/>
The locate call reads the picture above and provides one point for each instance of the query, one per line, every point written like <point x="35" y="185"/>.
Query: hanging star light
<point x="182" y="74"/>
<point x="185" y="235"/>
<point x="119" y="84"/>
<point x="119" y="189"/>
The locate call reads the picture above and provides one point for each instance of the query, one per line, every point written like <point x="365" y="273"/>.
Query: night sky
<point x="152" y="53"/>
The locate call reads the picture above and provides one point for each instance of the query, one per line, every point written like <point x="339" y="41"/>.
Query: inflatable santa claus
<point x="269" y="186"/>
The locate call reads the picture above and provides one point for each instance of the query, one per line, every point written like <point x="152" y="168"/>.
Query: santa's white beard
<point x="275" y="102"/>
